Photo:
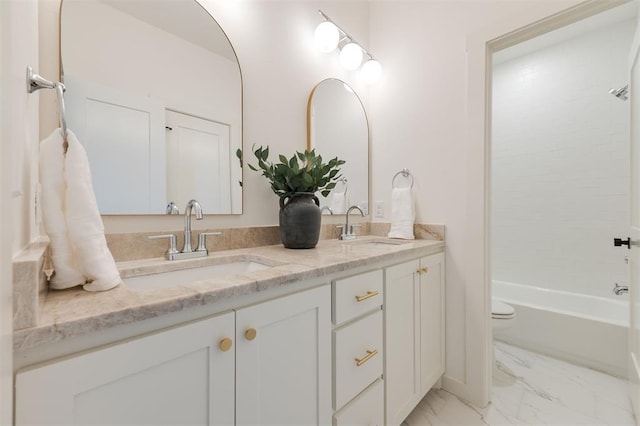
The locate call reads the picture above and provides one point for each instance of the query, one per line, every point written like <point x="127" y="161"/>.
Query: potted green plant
<point x="296" y="180"/>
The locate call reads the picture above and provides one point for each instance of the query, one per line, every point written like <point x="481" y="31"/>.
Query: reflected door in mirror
<point x="198" y="160"/>
<point x="123" y="135"/>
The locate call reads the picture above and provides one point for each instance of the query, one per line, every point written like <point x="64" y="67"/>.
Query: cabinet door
<point x="431" y="320"/>
<point x="179" y="376"/>
<point x="283" y="360"/>
<point x="402" y="334"/>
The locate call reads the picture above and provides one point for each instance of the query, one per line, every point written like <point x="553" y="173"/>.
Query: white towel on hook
<point x="86" y="230"/>
<point x="77" y="225"/>
<point x="402" y="213"/>
<point x="53" y="198"/>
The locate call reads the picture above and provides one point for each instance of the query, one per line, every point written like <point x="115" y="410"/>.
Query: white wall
<point x="560" y="164"/>
<point x="18" y="167"/>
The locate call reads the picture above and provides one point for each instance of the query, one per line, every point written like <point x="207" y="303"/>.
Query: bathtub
<point x="585" y="330"/>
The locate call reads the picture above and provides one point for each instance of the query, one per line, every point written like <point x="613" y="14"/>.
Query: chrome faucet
<point x="191" y="206"/>
<point x="187" y="251"/>
<point x="327" y="208"/>
<point x="347" y="230"/>
<point x="619" y="289"/>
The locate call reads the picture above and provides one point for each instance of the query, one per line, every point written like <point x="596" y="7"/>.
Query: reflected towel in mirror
<point x="338" y="202"/>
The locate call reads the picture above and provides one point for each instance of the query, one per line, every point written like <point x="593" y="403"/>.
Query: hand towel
<point x="402" y="213"/>
<point x="338" y="202"/>
<point x="86" y="230"/>
<point x="67" y="272"/>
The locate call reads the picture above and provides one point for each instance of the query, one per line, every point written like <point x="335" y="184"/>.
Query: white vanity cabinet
<point x="283" y="360"/>
<point x="269" y="363"/>
<point x="178" y="376"/>
<point x="414" y="333"/>
<point x="358" y="395"/>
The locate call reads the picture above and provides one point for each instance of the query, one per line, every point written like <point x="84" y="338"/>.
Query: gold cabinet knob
<point x="425" y="269"/>
<point x="419" y="271"/>
<point x="225" y="344"/>
<point x="250" y="334"/>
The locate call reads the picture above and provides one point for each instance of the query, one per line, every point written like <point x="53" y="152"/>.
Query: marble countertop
<point x="76" y="312"/>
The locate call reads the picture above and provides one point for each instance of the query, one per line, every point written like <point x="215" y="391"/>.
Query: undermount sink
<point x="378" y="243"/>
<point x="168" y="279"/>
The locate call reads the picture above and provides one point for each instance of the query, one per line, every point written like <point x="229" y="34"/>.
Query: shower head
<point x="621" y="93"/>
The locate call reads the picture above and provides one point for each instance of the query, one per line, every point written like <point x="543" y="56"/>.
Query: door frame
<point x="481" y="45"/>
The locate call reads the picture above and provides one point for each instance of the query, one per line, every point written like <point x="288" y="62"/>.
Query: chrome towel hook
<point x="36" y="82"/>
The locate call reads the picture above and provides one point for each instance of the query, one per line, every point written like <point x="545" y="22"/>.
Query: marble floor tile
<point x="533" y="389"/>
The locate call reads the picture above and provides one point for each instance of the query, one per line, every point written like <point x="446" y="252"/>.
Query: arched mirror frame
<point x="367" y="160"/>
<point x="236" y="179"/>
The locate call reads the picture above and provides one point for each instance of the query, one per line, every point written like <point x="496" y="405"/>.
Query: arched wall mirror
<point x="154" y="93"/>
<point x="338" y="127"/>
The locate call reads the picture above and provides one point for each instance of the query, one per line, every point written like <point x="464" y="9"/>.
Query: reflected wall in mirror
<point x="154" y="93"/>
<point x="338" y="127"/>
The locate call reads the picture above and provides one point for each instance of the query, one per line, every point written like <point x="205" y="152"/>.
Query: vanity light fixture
<point x="371" y="71"/>
<point x="351" y="56"/>
<point x="328" y="36"/>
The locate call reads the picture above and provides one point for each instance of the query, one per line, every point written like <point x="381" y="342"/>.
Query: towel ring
<point x="405" y="173"/>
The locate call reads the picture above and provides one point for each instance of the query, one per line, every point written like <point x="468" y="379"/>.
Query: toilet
<point x="502" y="314"/>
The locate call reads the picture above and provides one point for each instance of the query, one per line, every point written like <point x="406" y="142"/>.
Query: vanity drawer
<point x="356" y="295"/>
<point x="365" y="409"/>
<point x="358" y="357"/>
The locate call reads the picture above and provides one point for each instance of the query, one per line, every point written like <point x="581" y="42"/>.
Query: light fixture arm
<point x="346" y="35"/>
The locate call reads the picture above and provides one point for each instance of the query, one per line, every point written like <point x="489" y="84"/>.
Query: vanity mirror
<point x="154" y="93"/>
<point x="337" y="127"/>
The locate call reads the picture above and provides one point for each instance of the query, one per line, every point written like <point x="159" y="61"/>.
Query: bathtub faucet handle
<point x="619" y="289"/>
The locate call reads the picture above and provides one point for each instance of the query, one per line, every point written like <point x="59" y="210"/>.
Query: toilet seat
<point x="501" y="310"/>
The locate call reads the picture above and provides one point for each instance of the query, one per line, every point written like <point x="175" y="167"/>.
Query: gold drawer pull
<point x="225" y="344"/>
<point x="366" y="296"/>
<point x="367" y="357"/>
<point x="250" y="334"/>
<point x="422" y="270"/>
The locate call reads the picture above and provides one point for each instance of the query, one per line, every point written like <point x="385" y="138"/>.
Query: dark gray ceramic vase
<point x="300" y="218"/>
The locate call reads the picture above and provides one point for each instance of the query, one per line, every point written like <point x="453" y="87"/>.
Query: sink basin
<point x="173" y="278"/>
<point x="378" y="243"/>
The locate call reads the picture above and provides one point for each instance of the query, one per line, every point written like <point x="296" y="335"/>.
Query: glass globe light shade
<point x="326" y="37"/>
<point x="351" y="56"/>
<point x="371" y="71"/>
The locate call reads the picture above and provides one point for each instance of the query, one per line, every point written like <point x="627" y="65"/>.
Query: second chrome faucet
<point x="347" y="230"/>
<point x="187" y="251"/>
